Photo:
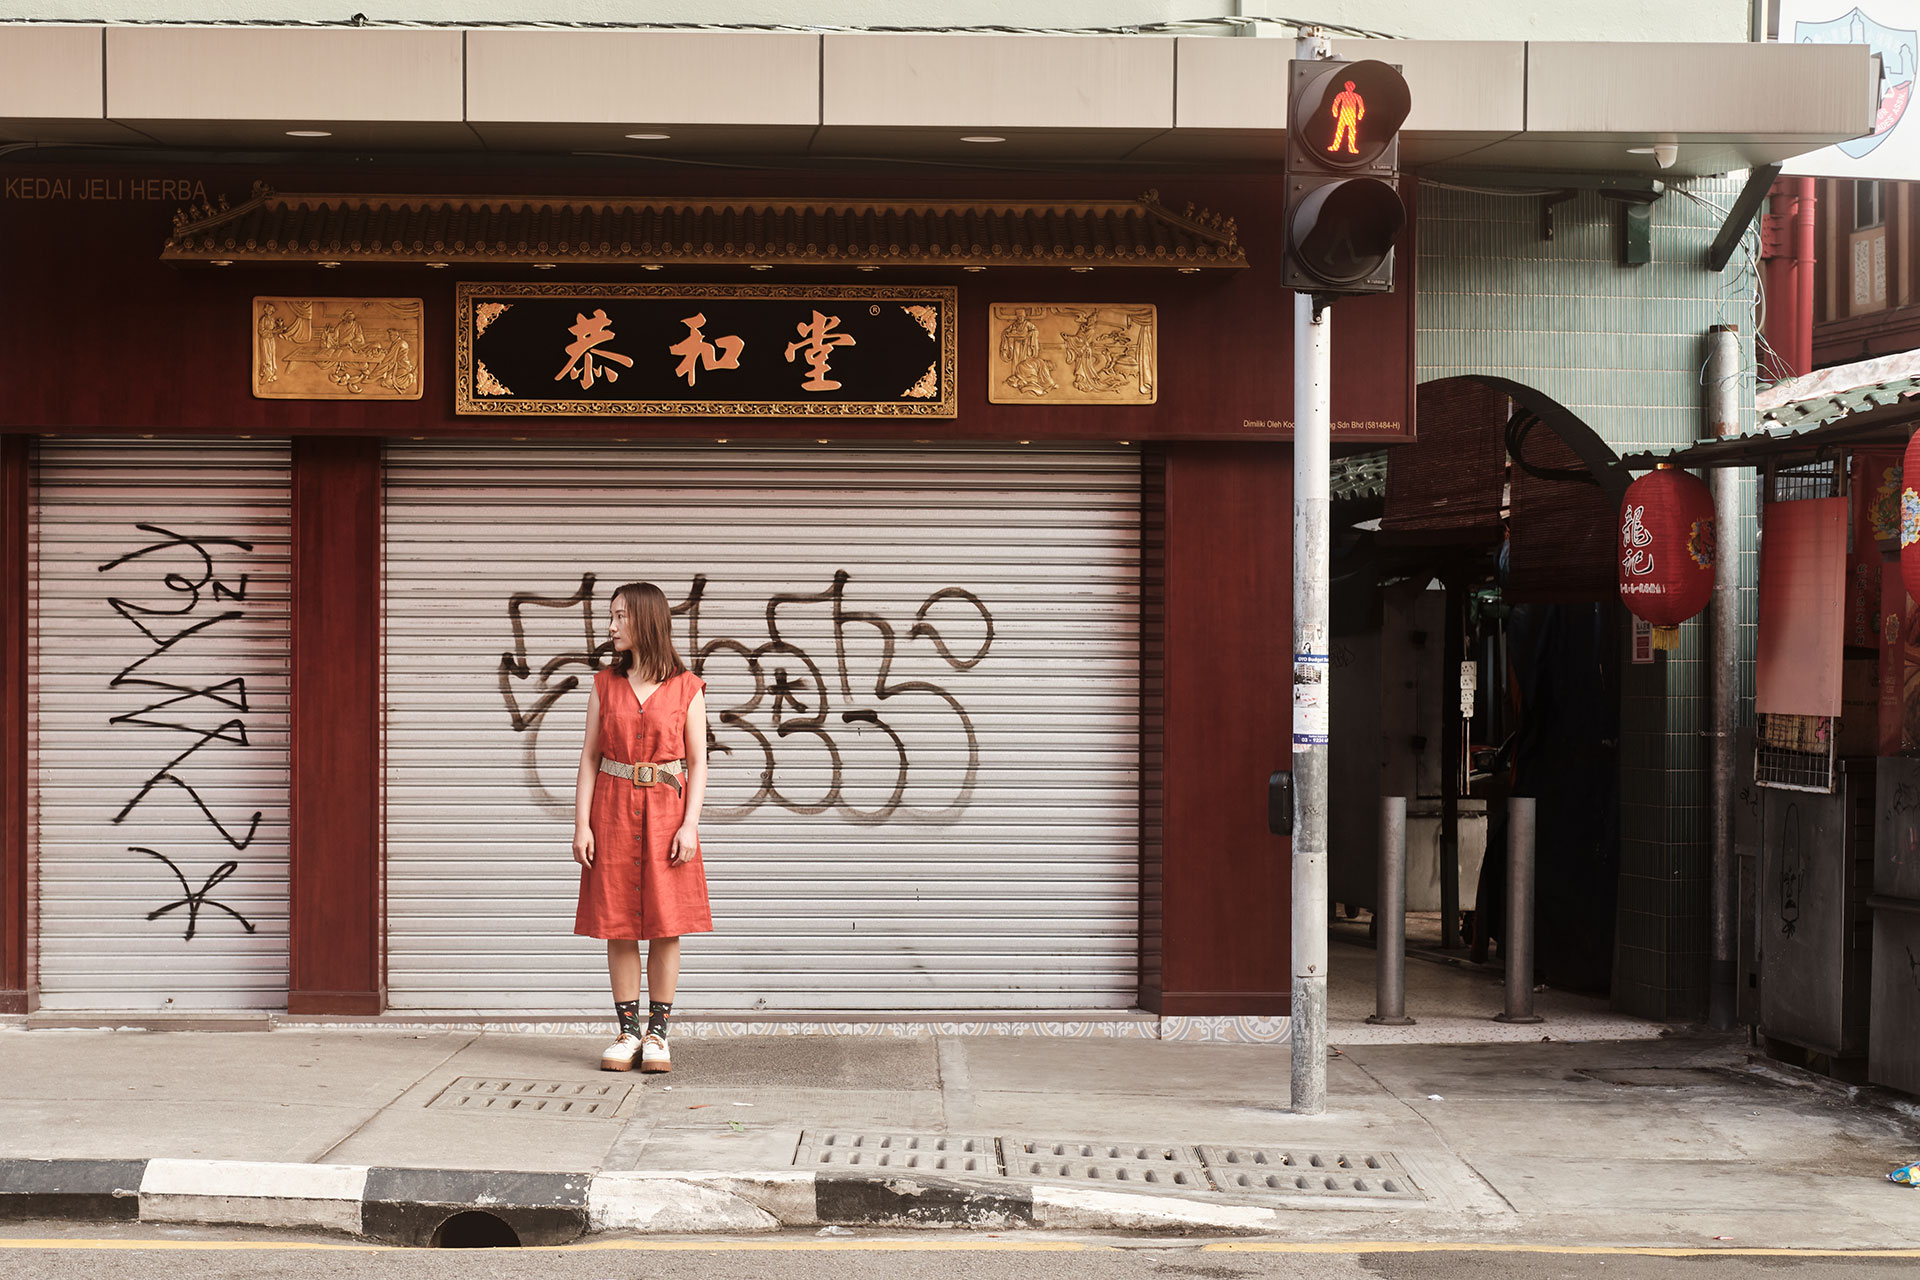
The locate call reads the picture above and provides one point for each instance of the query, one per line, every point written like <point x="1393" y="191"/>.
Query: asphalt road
<point x="65" y="1251"/>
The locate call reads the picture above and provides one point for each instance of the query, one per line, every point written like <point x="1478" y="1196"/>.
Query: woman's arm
<point x="686" y="841"/>
<point x="583" y="781"/>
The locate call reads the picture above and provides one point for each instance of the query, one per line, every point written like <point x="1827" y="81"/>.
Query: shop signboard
<point x="1891" y="28"/>
<point x="716" y="350"/>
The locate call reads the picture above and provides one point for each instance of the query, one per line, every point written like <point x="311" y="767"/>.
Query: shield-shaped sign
<point x="1899" y="56"/>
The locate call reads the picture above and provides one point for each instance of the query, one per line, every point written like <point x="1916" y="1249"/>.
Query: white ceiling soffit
<point x="1068" y="98"/>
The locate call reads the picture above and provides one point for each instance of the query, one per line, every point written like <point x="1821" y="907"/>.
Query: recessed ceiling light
<point x="650" y="137"/>
<point x="309" y="133"/>
<point x="982" y="137"/>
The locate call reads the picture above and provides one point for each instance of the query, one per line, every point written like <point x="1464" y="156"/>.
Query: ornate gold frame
<point x="1007" y="385"/>
<point x="293" y="338"/>
<point x="466" y="293"/>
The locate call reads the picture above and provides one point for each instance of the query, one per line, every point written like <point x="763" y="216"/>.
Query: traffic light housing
<point x="1343" y="208"/>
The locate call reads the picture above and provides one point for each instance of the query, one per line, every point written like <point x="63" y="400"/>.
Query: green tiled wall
<point x="1623" y="347"/>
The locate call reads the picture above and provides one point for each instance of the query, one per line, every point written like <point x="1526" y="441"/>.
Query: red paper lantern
<point x="1666" y="550"/>
<point x="1910" y="518"/>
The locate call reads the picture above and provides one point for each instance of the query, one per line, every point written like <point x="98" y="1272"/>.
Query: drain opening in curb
<point x="475" y="1229"/>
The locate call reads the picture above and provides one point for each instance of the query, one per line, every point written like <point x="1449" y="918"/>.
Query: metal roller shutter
<point x="950" y="819"/>
<point x="159" y="699"/>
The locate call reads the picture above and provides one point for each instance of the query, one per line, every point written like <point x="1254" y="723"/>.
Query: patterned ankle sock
<point x="657" y="1013"/>
<point x="628" y="1012"/>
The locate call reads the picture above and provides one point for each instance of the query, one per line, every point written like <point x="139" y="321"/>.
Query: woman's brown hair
<point x="653" y="652"/>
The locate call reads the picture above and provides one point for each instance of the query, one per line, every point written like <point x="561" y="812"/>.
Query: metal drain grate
<point x="552" y="1099"/>
<point x="1163" y="1168"/>
<point x="934" y="1152"/>
<point x="1315" y="1173"/>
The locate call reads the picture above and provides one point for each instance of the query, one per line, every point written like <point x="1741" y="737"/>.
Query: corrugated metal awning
<point x="1869" y="402"/>
<point x="537" y="231"/>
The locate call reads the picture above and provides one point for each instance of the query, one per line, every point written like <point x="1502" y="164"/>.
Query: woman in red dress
<point x="636" y="819"/>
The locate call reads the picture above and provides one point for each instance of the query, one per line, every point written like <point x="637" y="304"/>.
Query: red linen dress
<point x="632" y="890"/>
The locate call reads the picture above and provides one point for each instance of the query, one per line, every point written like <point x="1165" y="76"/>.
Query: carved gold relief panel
<point x="1072" y="353"/>
<point x="336" y="348"/>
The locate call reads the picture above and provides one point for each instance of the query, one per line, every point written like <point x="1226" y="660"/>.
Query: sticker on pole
<point x="1310" y="699"/>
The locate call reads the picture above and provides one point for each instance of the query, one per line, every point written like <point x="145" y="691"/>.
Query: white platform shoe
<point x="653" y="1054"/>
<point x="619" y="1055"/>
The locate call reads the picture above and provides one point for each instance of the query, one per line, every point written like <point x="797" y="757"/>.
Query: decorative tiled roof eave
<point x="532" y="231"/>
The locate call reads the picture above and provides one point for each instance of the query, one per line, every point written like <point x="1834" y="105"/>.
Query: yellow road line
<point x="1457" y="1246"/>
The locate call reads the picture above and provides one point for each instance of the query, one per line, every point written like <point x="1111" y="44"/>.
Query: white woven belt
<point x="646" y="775"/>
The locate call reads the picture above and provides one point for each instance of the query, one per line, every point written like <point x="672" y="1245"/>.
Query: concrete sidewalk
<point x="1677" y="1141"/>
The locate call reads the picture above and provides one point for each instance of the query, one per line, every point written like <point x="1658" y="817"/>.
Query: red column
<point x="1805" y="263"/>
<point x="13" y="725"/>
<point x="1787" y="267"/>
<point x="335" y="832"/>
<point x="1219" y="651"/>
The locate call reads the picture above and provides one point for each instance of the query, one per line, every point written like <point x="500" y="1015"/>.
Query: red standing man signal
<point x="1349" y="109"/>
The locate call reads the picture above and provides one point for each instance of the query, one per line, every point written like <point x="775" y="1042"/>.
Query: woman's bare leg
<point x="623" y="968"/>
<point x="663" y="969"/>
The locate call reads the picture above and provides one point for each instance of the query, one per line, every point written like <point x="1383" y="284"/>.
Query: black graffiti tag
<point x="516" y="670"/>
<point x="791" y="697"/>
<point x="194" y="899"/>
<point x="167" y="630"/>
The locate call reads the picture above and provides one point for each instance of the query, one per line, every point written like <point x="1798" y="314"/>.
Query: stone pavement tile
<point x="1640" y="1131"/>
<point x="235" y="1129"/>
<point x="1558" y="1069"/>
<point x="758" y="1149"/>
<point x="1556" y="1184"/>
<point x="691" y="1105"/>
<point x="1142" y="1068"/>
<point x="213" y="1095"/>
<point x="410" y="1134"/>
<point x="274" y="1066"/>
<point x="535" y="1057"/>
<point x="812" y="1062"/>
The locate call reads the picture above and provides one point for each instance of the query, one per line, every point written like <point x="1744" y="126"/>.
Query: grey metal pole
<point x="1722" y="404"/>
<point x="1517" y="946"/>
<point x="1390" y="918"/>
<point x="1312" y="589"/>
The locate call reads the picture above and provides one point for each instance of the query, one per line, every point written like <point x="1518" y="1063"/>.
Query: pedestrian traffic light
<point x="1343" y="206"/>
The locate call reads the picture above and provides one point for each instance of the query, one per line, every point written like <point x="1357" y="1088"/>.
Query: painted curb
<point x="858" y="1199"/>
<point x="99" y="1190"/>
<point x="655" y="1205"/>
<point x="412" y="1207"/>
<point x="327" y="1196"/>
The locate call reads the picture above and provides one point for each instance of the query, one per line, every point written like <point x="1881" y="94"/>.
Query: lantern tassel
<point x="1667" y="638"/>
